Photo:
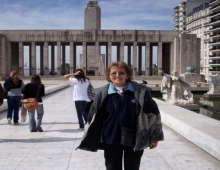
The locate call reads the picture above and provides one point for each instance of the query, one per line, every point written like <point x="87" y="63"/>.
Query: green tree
<point x="155" y="69"/>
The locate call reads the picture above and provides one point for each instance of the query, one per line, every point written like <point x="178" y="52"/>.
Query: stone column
<point x="3" y="61"/>
<point x="8" y="53"/>
<point x="139" y="60"/>
<point x="98" y="59"/>
<point x="52" y="59"/>
<point x="33" y="58"/>
<point x="176" y="56"/>
<point x="135" y="58"/>
<point x="41" y="59"/>
<point x="122" y="52"/>
<point x="109" y="61"/>
<point x="21" y="58"/>
<point x="198" y="44"/>
<point x="30" y="61"/>
<point x="72" y="63"/>
<point x="147" y="59"/>
<point x="63" y="70"/>
<point x="171" y="56"/>
<point x="159" y="58"/>
<point x="83" y="59"/>
<point x="58" y="58"/>
<point x="101" y="65"/>
<point x="46" y="58"/>
<point x="129" y="55"/>
<point x="118" y="53"/>
<point x="74" y="56"/>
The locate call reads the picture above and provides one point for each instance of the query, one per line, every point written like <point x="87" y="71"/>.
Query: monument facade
<point x="175" y="51"/>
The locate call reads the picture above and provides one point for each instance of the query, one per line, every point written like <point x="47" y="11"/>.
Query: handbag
<point x="128" y="136"/>
<point x="31" y="103"/>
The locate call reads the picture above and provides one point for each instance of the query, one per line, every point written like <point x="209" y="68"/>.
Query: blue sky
<point x="69" y="14"/>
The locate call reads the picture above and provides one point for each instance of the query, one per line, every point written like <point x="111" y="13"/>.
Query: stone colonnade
<point x="134" y="56"/>
<point x="174" y="51"/>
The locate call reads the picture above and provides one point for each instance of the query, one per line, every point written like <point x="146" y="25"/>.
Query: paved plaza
<point x="55" y="148"/>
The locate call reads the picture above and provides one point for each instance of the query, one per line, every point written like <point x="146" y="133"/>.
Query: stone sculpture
<point x="214" y="84"/>
<point x="175" y="90"/>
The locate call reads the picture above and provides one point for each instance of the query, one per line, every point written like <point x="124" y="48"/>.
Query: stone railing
<point x="197" y="128"/>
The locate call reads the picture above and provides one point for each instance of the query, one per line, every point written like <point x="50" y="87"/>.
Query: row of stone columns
<point x="44" y="61"/>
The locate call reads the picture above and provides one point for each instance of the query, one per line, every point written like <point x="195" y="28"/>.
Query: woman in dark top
<point x="13" y="85"/>
<point x="30" y="91"/>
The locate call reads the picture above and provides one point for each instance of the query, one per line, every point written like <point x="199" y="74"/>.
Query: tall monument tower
<point x="91" y="60"/>
<point x="92" y="14"/>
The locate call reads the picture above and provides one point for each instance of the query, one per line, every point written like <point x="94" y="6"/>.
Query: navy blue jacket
<point x="120" y="111"/>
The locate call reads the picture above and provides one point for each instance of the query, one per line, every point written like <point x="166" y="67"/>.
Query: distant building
<point x="192" y="17"/>
<point x="180" y="17"/>
<point x="214" y="57"/>
<point x="181" y="11"/>
<point x="197" y="22"/>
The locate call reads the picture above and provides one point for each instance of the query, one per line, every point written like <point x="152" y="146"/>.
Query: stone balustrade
<point x="198" y="129"/>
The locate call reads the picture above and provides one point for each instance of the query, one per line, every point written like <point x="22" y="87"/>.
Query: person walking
<point x="35" y="89"/>
<point x="123" y="120"/>
<point x="80" y="95"/>
<point x="1" y="94"/>
<point x="13" y="85"/>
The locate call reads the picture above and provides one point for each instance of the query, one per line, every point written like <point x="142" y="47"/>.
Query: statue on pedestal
<point x="175" y="90"/>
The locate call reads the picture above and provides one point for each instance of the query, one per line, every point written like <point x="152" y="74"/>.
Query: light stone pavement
<point x="55" y="148"/>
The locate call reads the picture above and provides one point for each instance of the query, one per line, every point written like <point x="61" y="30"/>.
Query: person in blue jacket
<point x="123" y="120"/>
